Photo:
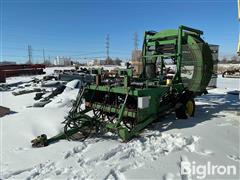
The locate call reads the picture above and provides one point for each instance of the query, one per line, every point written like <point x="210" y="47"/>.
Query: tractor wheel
<point x="186" y="110"/>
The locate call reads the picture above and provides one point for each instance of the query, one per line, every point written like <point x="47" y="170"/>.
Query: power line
<point x="43" y="53"/>
<point x="49" y="50"/>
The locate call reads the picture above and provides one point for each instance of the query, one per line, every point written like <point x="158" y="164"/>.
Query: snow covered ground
<point x="212" y="136"/>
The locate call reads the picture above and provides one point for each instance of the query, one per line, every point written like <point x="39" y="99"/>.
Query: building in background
<point x="62" y="61"/>
<point x="90" y="63"/>
<point x="94" y="62"/>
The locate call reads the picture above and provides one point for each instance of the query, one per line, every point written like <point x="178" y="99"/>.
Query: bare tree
<point x="117" y="61"/>
<point x="234" y="60"/>
<point x="224" y="60"/>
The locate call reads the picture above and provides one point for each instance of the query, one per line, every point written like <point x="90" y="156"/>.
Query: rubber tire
<point x="181" y="112"/>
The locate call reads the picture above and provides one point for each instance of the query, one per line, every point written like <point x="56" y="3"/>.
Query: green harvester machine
<point x="177" y="66"/>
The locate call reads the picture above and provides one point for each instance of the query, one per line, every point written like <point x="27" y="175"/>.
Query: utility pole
<point x="29" y="54"/>
<point x="44" y="60"/>
<point x="107" y="46"/>
<point x="135" y="41"/>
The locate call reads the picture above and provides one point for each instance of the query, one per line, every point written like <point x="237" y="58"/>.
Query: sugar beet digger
<point x="125" y="104"/>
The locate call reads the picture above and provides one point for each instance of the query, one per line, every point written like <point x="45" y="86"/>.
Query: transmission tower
<point x="44" y="60"/>
<point x="29" y="54"/>
<point x="135" y="41"/>
<point x="107" y="45"/>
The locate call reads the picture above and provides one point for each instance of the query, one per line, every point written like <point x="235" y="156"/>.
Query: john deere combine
<point x="122" y="103"/>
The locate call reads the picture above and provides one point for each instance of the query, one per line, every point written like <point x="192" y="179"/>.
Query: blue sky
<point x="78" y="28"/>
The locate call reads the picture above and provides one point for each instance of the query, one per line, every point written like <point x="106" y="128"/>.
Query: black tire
<point x="182" y="112"/>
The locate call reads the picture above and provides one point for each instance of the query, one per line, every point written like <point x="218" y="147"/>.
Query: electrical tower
<point x="49" y="59"/>
<point x="135" y="41"/>
<point x="44" y="60"/>
<point x="107" y="45"/>
<point x="29" y="54"/>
